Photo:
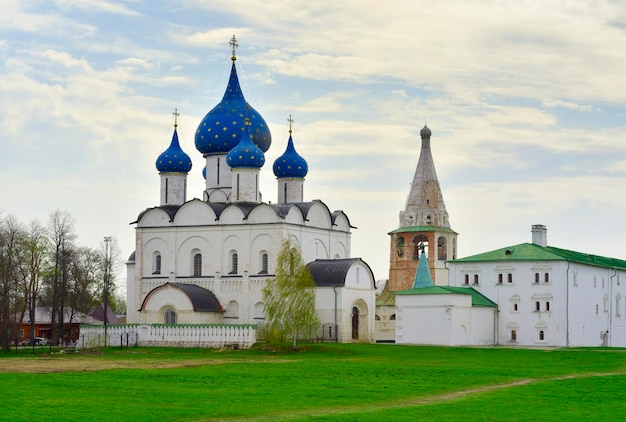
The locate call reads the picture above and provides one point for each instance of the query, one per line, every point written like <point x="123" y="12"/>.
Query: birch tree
<point x="289" y="298"/>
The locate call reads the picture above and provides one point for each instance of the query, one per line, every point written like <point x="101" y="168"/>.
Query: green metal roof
<point x="533" y="252"/>
<point x="386" y="297"/>
<point x="478" y="299"/>
<point x="423" y="229"/>
<point x="422" y="275"/>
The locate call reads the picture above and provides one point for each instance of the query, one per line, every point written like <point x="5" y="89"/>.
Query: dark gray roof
<point x="202" y="300"/>
<point x="332" y="272"/>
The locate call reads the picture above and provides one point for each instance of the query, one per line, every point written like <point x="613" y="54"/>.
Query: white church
<point x="205" y="261"/>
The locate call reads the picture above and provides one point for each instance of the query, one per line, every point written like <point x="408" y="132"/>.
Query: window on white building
<point x="546" y="278"/>
<point x="536" y="278"/>
<point x="234" y="263"/>
<point x="264" y="263"/>
<point x="197" y="265"/>
<point x="513" y="335"/>
<point x="509" y="278"/>
<point x="541" y="336"/>
<point x="475" y="278"/>
<point x="499" y="278"/>
<point x="537" y="306"/>
<point x="547" y="306"/>
<point x="156" y="263"/>
<point x="169" y="317"/>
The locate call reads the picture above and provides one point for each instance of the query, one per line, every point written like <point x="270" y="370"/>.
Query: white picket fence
<point x="214" y="336"/>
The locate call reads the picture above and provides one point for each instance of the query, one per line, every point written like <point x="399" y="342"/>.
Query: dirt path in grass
<point x="42" y="365"/>
<point x="398" y="404"/>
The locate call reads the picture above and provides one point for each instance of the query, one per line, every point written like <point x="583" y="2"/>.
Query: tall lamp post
<point x="107" y="276"/>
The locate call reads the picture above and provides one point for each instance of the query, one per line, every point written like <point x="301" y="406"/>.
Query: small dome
<point x="425" y="132"/>
<point x="222" y="127"/>
<point x="204" y="172"/>
<point x="290" y="164"/>
<point x="173" y="159"/>
<point x="246" y="154"/>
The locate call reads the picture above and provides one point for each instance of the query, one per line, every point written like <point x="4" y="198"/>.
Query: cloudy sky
<point x="526" y="101"/>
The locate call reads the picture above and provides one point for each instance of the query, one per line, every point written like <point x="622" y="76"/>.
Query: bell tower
<point x="424" y="225"/>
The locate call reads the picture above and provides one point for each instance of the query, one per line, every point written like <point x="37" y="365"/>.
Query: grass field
<point x="333" y="382"/>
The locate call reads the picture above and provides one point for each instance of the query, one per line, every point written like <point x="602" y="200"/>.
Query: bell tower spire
<point x="424" y="223"/>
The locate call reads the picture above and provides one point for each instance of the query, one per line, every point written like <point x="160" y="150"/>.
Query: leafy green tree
<point x="289" y="298"/>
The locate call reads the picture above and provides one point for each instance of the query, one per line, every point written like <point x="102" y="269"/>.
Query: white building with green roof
<point x="547" y="296"/>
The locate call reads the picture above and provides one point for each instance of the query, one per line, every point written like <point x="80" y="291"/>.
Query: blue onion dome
<point x="222" y="127"/>
<point x="425" y="132"/>
<point x="290" y="164"/>
<point x="246" y="154"/>
<point x="173" y="159"/>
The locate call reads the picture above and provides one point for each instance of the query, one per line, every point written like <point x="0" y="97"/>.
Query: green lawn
<point x="325" y="382"/>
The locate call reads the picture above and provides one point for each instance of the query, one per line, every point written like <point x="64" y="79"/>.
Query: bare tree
<point x="11" y="234"/>
<point x="35" y="248"/>
<point x="62" y="236"/>
<point x="289" y="298"/>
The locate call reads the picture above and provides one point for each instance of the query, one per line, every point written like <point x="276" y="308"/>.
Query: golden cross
<point x="290" y="120"/>
<point x="175" y="113"/>
<point x="233" y="43"/>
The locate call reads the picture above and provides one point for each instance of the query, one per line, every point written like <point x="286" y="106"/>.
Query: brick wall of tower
<point x="403" y="261"/>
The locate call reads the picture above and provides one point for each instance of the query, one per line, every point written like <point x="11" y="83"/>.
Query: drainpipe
<point x="611" y="305"/>
<point x="567" y="305"/>
<point x="335" y="291"/>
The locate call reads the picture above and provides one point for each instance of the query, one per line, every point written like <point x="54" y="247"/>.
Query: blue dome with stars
<point x="290" y="164"/>
<point x="246" y="154"/>
<point x="173" y="159"/>
<point x="222" y="127"/>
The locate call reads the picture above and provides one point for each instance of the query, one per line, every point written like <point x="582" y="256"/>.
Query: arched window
<point x="513" y="335"/>
<point x="509" y="278"/>
<point x="264" y="263"/>
<point x="442" y="249"/>
<point x="392" y="317"/>
<point x="156" y="263"/>
<point x="537" y="306"/>
<point x="400" y="241"/>
<point x="420" y="242"/>
<point x="547" y="306"/>
<point x="169" y="317"/>
<point x="546" y="278"/>
<point x="466" y="281"/>
<point x="541" y="335"/>
<point x="376" y="317"/>
<point x="475" y="278"/>
<point x="234" y="263"/>
<point x="536" y="277"/>
<point x="500" y="278"/>
<point x="197" y="265"/>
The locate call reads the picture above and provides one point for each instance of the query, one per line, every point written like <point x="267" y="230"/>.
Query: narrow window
<point x="197" y="265"/>
<point x="166" y="188"/>
<point x="541" y="335"/>
<point x="234" y="264"/>
<point x="509" y="278"/>
<point x="285" y="191"/>
<point x="546" y="278"/>
<point x="547" y="306"/>
<point x="475" y="278"/>
<point x="264" y="264"/>
<point x="515" y="307"/>
<point x="499" y="278"/>
<point x="466" y="279"/>
<point x="597" y="308"/>
<point x="537" y="306"/>
<point x="238" y="187"/>
<point x="513" y="335"/>
<point x="536" y="277"/>
<point x="218" y="171"/>
<point x="157" y="264"/>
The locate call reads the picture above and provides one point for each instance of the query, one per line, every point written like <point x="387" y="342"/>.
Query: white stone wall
<point x="245" y="185"/>
<point x="574" y="292"/>
<point x="209" y="336"/>
<point x="443" y="319"/>
<point x="173" y="188"/>
<point x="290" y="190"/>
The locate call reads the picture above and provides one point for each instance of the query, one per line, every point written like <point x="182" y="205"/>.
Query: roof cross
<point x="233" y="43"/>
<point x="290" y="120"/>
<point x="176" y="114"/>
